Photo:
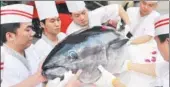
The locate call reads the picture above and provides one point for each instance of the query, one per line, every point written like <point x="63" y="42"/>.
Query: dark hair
<point x="43" y="21"/>
<point x="37" y="28"/>
<point x="62" y="8"/>
<point x="163" y="37"/>
<point x="10" y="27"/>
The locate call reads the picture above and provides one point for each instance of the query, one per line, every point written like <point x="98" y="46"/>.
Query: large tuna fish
<point x="86" y="49"/>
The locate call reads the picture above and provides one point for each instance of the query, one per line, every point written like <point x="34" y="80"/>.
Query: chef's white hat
<point x="74" y="6"/>
<point x="46" y="9"/>
<point x="16" y="13"/>
<point x="162" y="25"/>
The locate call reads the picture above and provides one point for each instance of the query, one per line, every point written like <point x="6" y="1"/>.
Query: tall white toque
<point x="46" y="9"/>
<point x="74" y="6"/>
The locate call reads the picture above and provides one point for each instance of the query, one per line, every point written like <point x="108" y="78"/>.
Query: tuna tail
<point x="118" y="43"/>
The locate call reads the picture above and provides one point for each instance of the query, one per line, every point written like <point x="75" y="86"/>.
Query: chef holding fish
<point x="142" y="21"/>
<point x="51" y="24"/>
<point x="160" y="70"/>
<point x="142" y="27"/>
<point x="21" y="65"/>
<point x="82" y="18"/>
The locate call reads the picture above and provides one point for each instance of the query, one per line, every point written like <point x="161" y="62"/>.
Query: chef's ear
<point x="10" y="36"/>
<point x="168" y="40"/>
<point x="42" y="25"/>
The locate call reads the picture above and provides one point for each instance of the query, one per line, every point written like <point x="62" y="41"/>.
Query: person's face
<point x="23" y="36"/>
<point x="52" y="25"/>
<point x="163" y="48"/>
<point x="81" y="17"/>
<point x="146" y="7"/>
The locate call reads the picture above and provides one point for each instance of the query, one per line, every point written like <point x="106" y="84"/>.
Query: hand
<point x="53" y="83"/>
<point x="70" y="80"/>
<point x="39" y="73"/>
<point x="73" y="82"/>
<point x="112" y="23"/>
<point x="67" y="76"/>
<point x="106" y="79"/>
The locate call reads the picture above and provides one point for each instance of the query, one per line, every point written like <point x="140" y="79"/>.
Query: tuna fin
<point x="118" y="43"/>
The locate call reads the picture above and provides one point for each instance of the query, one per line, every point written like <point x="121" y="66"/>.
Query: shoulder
<point x="61" y="36"/>
<point x="72" y="28"/>
<point x="105" y="8"/>
<point x="11" y="61"/>
<point x="133" y="9"/>
<point x="155" y="14"/>
<point x="72" y="24"/>
<point x="152" y="16"/>
<point x="162" y="68"/>
<point x="41" y="48"/>
<point x="39" y="44"/>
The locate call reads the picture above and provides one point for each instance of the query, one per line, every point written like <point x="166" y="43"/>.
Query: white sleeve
<point x="13" y="72"/>
<point x="162" y="68"/>
<point x="150" y="29"/>
<point x="129" y="10"/>
<point x="107" y="12"/>
<point x="9" y="78"/>
<point x="2" y="62"/>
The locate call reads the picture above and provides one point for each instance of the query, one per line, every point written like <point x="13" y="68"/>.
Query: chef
<point x="82" y="18"/>
<point x="159" y="69"/>
<point x="51" y="24"/>
<point x="142" y="21"/>
<point x="142" y="27"/>
<point x="21" y="64"/>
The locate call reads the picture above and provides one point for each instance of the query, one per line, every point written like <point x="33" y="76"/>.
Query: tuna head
<point x="85" y="49"/>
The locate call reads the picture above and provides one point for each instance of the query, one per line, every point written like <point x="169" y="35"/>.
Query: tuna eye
<point x="72" y="55"/>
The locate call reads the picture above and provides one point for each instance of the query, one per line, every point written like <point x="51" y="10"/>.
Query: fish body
<point x="85" y="49"/>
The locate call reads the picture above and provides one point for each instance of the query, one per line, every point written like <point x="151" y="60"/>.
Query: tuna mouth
<point x="58" y="72"/>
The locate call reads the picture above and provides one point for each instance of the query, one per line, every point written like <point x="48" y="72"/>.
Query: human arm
<point x="141" y="39"/>
<point x="31" y="81"/>
<point x="18" y="76"/>
<point x="34" y="79"/>
<point x="124" y="15"/>
<point x="148" y="69"/>
<point x="74" y="82"/>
